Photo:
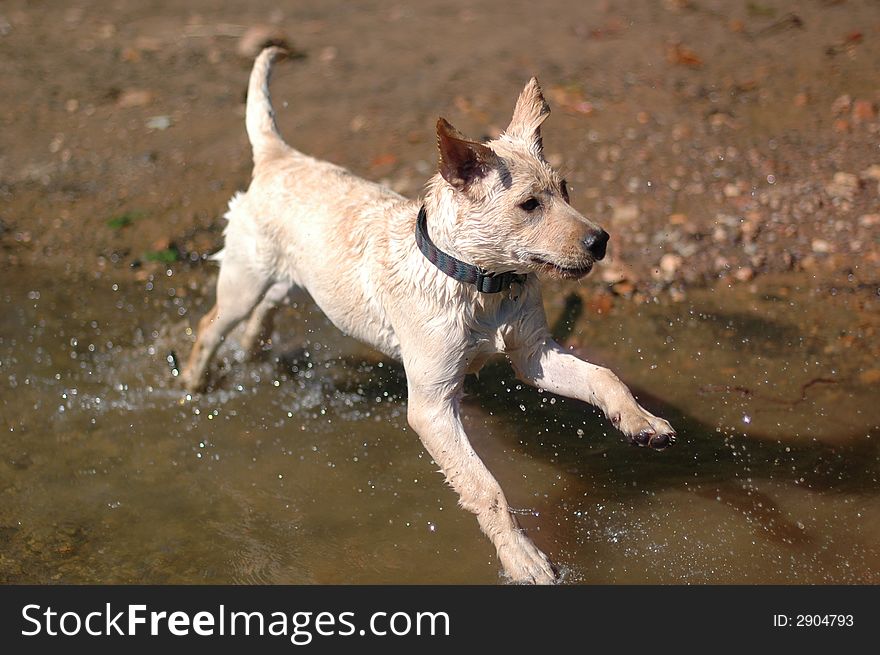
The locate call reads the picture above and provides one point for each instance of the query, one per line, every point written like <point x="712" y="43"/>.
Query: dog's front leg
<point x="544" y="363"/>
<point x="433" y="412"/>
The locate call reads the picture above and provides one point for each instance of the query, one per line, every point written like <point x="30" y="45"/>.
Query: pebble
<point x="843" y="185"/>
<point x="872" y="172"/>
<point x="158" y="122"/>
<point x="821" y="246"/>
<point x="358" y="123"/>
<point x="616" y="271"/>
<point x="864" y="111"/>
<point x="841" y="105"/>
<point x="327" y="54"/>
<point x="808" y="263"/>
<point x="744" y="274"/>
<point x="625" y="213"/>
<point x="670" y="263"/>
<point x="871" y="376"/>
<point x="134" y="98"/>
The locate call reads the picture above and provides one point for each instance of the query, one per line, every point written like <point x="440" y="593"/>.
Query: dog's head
<point x="512" y="209"/>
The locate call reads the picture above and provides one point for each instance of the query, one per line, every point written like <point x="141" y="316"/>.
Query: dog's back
<point x="310" y="223"/>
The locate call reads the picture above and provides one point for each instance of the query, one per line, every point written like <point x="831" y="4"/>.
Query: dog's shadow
<point x="573" y="436"/>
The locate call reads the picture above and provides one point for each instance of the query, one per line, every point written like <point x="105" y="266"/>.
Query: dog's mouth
<point x="564" y="272"/>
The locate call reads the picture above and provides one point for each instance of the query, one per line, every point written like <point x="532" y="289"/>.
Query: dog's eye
<point x="530" y="205"/>
<point x="563" y="186"/>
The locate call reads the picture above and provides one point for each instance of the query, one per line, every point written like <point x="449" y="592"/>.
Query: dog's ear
<point x="531" y="110"/>
<point x="461" y="161"/>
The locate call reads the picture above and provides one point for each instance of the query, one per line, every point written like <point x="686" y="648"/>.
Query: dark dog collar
<point x="456" y="269"/>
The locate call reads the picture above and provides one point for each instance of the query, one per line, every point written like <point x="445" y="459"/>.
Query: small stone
<point x="358" y="123"/>
<point x="869" y="220"/>
<point x="130" y="55"/>
<point x="863" y="111"/>
<point x="871" y="376"/>
<point x="670" y="263"/>
<point x="624" y="213"/>
<point x="840" y="125"/>
<point x="841" y="105"/>
<point x="676" y="5"/>
<point x="676" y="294"/>
<point x="821" y="246"/>
<point x="158" y="122"/>
<point x="808" y="263"/>
<point x="744" y="274"/>
<point x="134" y="98"/>
<point x="601" y="303"/>
<point x="149" y="43"/>
<point x="678" y="219"/>
<point x="722" y="119"/>
<point x="748" y="232"/>
<point x="843" y="185"/>
<point x="731" y="190"/>
<point x="872" y="172"/>
<point x="616" y="271"/>
<point x="801" y="99"/>
<point x="681" y="131"/>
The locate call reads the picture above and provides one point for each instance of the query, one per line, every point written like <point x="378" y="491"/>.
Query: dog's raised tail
<point x="260" y="117"/>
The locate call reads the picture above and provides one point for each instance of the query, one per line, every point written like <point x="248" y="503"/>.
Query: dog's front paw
<point x="523" y="563"/>
<point x="644" y="429"/>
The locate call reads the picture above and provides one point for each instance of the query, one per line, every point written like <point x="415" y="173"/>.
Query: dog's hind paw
<point x="524" y="564"/>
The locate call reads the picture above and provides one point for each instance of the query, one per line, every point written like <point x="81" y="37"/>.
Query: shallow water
<point x="301" y="469"/>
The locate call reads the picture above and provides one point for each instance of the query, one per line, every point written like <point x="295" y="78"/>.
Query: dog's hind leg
<point x="433" y="412"/>
<point x="258" y="333"/>
<point x="239" y="290"/>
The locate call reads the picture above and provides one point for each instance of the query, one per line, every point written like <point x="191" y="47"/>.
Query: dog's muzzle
<point x="595" y="243"/>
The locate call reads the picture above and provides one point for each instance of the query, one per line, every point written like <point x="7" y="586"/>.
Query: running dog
<point x="440" y="284"/>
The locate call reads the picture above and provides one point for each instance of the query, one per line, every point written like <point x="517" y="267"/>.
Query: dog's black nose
<point x="595" y="243"/>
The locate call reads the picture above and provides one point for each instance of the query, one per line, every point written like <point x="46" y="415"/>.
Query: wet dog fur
<point x="351" y="244"/>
